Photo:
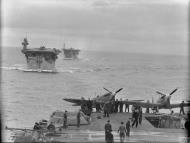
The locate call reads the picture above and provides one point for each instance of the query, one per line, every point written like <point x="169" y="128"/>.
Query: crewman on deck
<point x="83" y="104"/>
<point x="121" y="106"/>
<point x="78" y="118"/>
<point x="126" y="106"/>
<point x="108" y="129"/>
<point x="128" y="126"/>
<point x="89" y="105"/>
<point x="116" y="106"/>
<point x="65" y="119"/>
<point x="132" y="108"/>
<point x="107" y="108"/>
<point x="140" y="115"/>
<point x="122" y="131"/>
<point x="112" y="106"/>
<point x="98" y="108"/>
<point x="135" y="117"/>
<point x="182" y="108"/>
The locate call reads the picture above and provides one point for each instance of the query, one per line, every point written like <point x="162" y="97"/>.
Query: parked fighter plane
<point x="110" y="96"/>
<point x="162" y="103"/>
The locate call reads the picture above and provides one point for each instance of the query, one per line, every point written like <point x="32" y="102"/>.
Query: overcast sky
<point x="148" y="26"/>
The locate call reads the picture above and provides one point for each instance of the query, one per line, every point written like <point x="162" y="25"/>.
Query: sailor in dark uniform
<point x="182" y="108"/>
<point x="65" y="120"/>
<point x="108" y="128"/>
<point x="78" y="118"/>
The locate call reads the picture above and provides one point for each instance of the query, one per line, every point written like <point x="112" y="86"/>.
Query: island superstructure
<point x="70" y="53"/>
<point x="40" y="58"/>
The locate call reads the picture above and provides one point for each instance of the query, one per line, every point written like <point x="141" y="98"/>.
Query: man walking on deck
<point x="78" y="118"/>
<point x="122" y="132"/>
<point x="135" y="117"/>
<point x="108" y="129"/>
<point x="128" y="126"/>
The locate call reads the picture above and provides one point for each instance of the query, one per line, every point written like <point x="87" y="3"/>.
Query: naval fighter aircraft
<point x="107" y="97"/>
<point x="163" y="102"/>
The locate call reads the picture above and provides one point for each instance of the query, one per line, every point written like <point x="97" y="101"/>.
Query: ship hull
<point x="40" y="63"/>
<point x="71" y="54"/>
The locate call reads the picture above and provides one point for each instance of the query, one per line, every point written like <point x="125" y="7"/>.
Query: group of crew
<point x="78" y="117"/>
<point x="115" y="106"/>
<point x="136" y="115"/>
<point x="123" y="130"/>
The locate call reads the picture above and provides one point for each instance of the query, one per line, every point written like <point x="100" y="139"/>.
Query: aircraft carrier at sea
<point x="70" y="53"/>
<point x="39" y="59"/>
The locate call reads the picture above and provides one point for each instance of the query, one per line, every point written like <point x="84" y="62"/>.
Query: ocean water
<point x="28" y="97"/>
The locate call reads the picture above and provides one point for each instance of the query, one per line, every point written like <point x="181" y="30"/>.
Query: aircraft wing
<point x="72" y="100"/>
<point x="178" y="105"/>
<point x="142" y="104"/>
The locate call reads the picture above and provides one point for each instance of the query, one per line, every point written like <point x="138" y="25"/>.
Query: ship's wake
<point x="71" y="70"/>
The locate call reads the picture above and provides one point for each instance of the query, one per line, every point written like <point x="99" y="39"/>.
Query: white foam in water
<point x="39" y="70"/>
<point x="14" y="67"/>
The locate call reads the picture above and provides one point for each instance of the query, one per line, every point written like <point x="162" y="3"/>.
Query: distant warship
<point x="70" y="53"/>
<point x="40" y="59"/>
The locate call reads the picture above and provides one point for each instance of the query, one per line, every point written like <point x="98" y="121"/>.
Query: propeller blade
<point x="118" y="90"/>
<point x="160" y="93"/>
<point x="173" y="91"/>
<point x="107" y="90"/>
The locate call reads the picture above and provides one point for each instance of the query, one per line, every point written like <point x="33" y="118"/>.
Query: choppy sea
<point x="28" y="97"/>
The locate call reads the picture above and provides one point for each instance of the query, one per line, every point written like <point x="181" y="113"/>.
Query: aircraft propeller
<point x="118" y="90"/>
<point x="115" y="91"/>
<point x="163" y="95"/>
<point x="173" y="91"/>
<point x="107" y="90"/>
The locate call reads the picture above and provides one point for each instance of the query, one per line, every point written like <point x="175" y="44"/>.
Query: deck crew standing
<point x="135" y="117"/>
<point x="116" y="106"/>
<point x="78" y="118"/>
<point x="128" y="126"/>
<point x="112" y="106"/>
<point x="65" y="119"/>
<point x="121" y="105"/>
<point x="126" y="107"/>
<point x="107" y="108"/>
<point x="182" y="108"/>
<point x="89" y="105"/>
<point x="122" y="132"/>
<point x="108" y="129"/>
<point x="140" y="115"/>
